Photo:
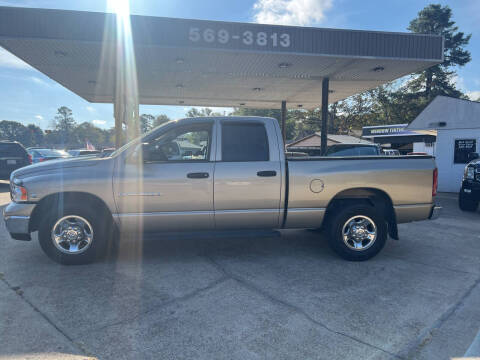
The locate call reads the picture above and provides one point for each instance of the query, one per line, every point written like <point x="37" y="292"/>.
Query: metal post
<point x="284" y="119"/>
<point x="118" y="124"/>
<point x="323" y="139"/>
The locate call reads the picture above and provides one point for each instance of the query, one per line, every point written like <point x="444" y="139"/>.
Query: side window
<point x="244" y="142"/>
<point x="186" y="143"/>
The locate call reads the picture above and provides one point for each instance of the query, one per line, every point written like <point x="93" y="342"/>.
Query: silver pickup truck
<point x="217" y="174"/>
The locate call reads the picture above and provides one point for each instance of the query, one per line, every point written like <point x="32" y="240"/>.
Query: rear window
<point x="244" y="142"/>
<point x="11" y="149"/>
<point x="353" y="150"/>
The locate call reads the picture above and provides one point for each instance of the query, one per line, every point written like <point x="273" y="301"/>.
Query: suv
<point x="12" y="156"/>
<point x="470" y="192"/>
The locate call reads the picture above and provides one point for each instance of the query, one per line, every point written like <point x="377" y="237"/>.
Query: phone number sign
<point x="246" y="37"/>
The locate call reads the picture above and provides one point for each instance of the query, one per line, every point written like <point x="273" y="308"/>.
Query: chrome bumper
<point x="435" y="213"/>
<point x="17" y="219"/>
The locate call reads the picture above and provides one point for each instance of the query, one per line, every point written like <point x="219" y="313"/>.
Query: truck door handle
<point x="267" y="173"/>
<point x="198" y="175"/>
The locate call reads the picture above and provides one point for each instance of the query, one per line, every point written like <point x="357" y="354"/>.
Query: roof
<point x="447" y="113"/>
<point x="314" y="140"/>
<point x="211" y="63"/>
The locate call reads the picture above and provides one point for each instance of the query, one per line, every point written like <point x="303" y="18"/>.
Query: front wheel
<point x="357" y="232"/>
<point x="72" y="236"/>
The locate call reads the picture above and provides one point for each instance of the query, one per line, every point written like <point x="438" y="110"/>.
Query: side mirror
<point x="473" y="156"/>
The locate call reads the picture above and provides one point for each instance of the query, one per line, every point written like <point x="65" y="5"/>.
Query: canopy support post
<point x="323" y="139"/>
<point x="283" y="121"/>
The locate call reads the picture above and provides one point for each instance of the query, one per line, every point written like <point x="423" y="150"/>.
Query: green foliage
<point x="146" y="122"/>
<point x="438" y="79"/>
<point x="160" y="119"/>
<point x="195" y="112"/>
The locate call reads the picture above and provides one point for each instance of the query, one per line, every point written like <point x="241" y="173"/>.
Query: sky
<point x="28" y="96"/>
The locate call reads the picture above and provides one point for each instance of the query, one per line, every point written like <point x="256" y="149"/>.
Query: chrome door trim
<point x="164" y="213"/>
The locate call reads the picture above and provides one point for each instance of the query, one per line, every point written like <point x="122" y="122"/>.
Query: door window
<point x="244" y="142"/>
<point x="186" y="143"/>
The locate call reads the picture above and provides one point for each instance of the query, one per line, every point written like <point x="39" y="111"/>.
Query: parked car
<point x="107" y="151"/>
<point x="39" y="154"/>
<point x="75" y="205"/>
<point x="12" y="157"/>
<point x="83" y="152"/>
<point x="353" y="150"/>
<point x="469" y="195"/>
<point x="391" y="152"/>
<point x="337" y="150"/>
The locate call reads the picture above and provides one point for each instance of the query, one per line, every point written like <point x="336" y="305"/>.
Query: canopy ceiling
<point x="209" y="63"/>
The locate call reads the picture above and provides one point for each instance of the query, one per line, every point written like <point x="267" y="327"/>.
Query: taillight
<point x="41" y="159"/>
<point x="435" y="182"/>
<point x="30" y="159"/>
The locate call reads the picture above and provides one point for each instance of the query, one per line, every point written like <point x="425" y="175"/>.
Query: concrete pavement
<point x="285" y="297"/>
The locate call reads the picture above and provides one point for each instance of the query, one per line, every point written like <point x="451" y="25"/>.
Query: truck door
<point x="247" y="176"/>
<point x="171" y="188"/>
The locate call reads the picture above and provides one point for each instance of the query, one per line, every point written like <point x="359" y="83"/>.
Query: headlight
<point x="18" y="193"/>
<point x="469" y="173"/>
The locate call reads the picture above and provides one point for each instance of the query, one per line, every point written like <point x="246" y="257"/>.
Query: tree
<point x="437" y="80"/>
<point x="161" y="119"/>
<point x="87" y="131"/>
<point x="64" y="125"/>
<point x="146" y="122"/>
<point x="34" y="136"/>
<point x="195" y="112"/>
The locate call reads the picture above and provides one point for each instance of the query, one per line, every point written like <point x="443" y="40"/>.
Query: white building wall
<point x="450" y="174"/>
<point x="425" y="148"/>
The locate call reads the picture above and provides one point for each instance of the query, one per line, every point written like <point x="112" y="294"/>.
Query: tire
<point x="362" y="220"/>
<point x="92" y="244"/>
<point x="465" y="203"/>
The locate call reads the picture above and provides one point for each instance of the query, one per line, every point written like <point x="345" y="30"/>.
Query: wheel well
<point x="373" y="197"/>
<point x="56" y="201"/>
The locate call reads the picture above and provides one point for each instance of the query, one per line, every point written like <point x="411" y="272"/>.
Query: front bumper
<point x="471" y="189"/>
<point x="435" y="212"/>
<point x="17" y="220"/>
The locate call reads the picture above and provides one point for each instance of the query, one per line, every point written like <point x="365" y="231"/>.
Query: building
<point x="313" y="140"/>
<point x="398" y="137"/>
<point x="457" y="123"/>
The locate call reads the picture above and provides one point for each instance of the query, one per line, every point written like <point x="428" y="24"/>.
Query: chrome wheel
<point x="72" y="234"/>
<point x="359" y="232"/>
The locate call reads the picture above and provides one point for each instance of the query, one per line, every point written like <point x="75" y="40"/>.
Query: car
<point x="355" y="149"/>
<point x="107" y="151"/>
<point x="41" y="154"/>
<point x="83" y="152"/>
<point x="238" y="179"/>
<point x="12" y="156"/>
<point x="417" y="153"/>
<point x="469" y="195"/>
<point x="391" y="152"/>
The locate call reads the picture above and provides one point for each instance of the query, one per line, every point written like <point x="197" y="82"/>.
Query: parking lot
<point x="274" y="297"/>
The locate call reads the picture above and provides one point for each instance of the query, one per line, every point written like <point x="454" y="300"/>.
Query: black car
<point x="12" y="156"/>
<point x="470" y="192"/>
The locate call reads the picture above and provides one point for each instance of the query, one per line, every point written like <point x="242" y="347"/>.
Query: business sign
<point x="463" y="147"/>
<point x="387" y="130"/>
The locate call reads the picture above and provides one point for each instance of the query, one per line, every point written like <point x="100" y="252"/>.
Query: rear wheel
<point x="357" y="232"/>
<point x="466" y="203"/>
<point x="72" y="236"/>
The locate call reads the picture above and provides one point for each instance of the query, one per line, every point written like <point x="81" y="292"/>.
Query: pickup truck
<point x="217" y="174"/>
